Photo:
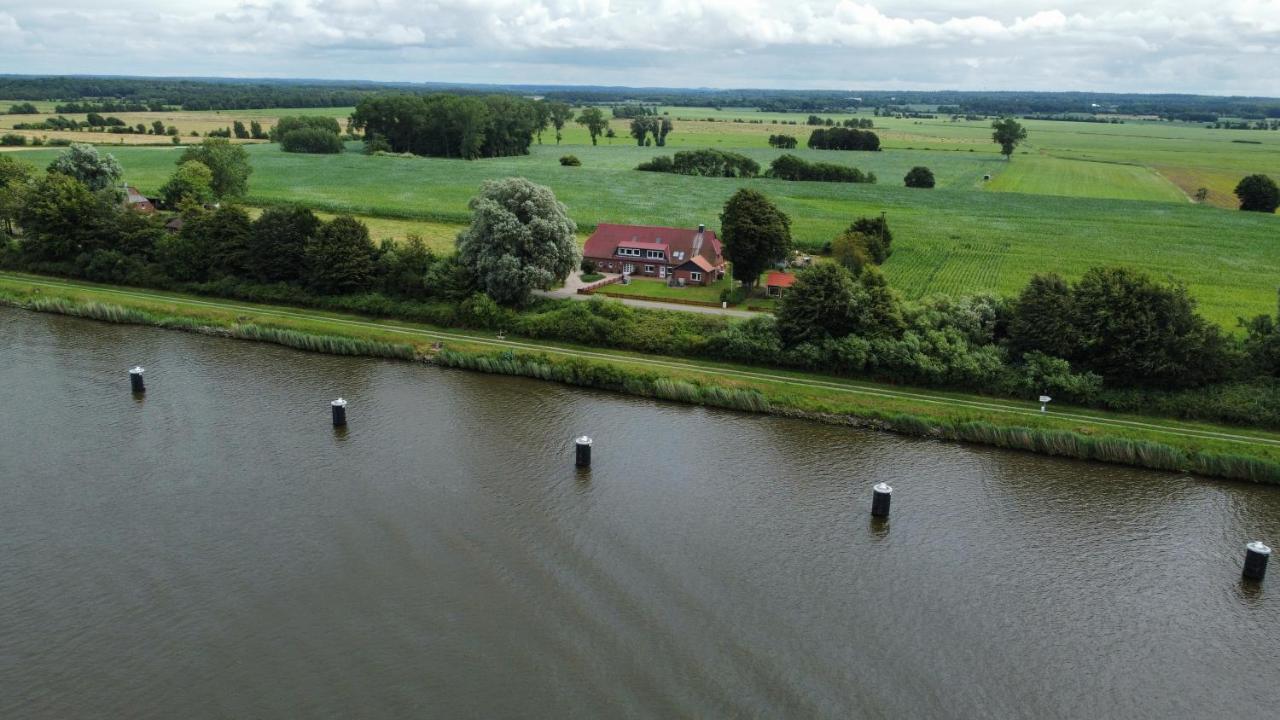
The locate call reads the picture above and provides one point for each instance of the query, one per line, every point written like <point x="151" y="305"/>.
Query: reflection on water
<point x="219" y="550"/>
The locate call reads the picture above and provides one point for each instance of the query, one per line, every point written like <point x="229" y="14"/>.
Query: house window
<point x="629" y="252"/>
<point x="648" y="269"/>
<point x="695" y="276"/>
<point x="628" y="268"/>
<point x="653" y="254"/>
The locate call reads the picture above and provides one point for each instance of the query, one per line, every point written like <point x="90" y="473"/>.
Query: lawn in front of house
<point x="660" y="290"/>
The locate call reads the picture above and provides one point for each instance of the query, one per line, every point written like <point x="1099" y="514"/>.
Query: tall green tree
<point x="83" y="162"/>
<point x="15" y="180"/>
<point x="61" y="218"/>
<point x="1258" y="193"/>
<point x="222" y="238"/>
<point x="878" y="236"/>
<point x="521" y="239"/>
<point x="827" y="303"/>
<point x="1042" y="319"/>
<point x="241" y="132"/>
<point x="192" y="182"/>
<point x="277" y="247"/>
<point x="559" y="113"/>
<point x="228" y="163"/>
<point x="756" y="235"/>
<point x="1008" y="134"/>
<point x="339" y="259"/>
<point x="594" y="121"/>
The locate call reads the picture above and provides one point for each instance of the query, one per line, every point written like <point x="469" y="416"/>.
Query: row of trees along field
<point x="1113" y="338"/>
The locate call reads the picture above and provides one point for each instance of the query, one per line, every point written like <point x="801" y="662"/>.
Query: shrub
<point x="13" y="140"/>
<point x="311" y="140"/>
<point x="919" y="177"/>
<point x="790" y="167"/>
<point x="570" y="161"/>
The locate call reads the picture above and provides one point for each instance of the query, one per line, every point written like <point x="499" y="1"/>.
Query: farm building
<point x="135" y="200"/>
<point x="776" y="283"/>
<point x="694" y="256"/>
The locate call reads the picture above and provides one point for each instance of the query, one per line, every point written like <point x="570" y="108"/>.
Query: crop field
<point x="1074" y="196"/>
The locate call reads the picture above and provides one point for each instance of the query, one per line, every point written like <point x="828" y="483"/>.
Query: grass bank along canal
<point x="215" y="549"/>
<point x="1155" y="443"/>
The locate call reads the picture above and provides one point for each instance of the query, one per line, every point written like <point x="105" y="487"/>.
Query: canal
<point x="215" y="549"/>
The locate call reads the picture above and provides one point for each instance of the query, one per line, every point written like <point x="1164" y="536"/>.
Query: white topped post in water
<point x="583" y="456"/>
<point x="881" y="494"/>
<point x="135" y="379"/>
<point x="1256" y="555"/>
<point x="339" y="412"/>
<point x="1044" y="402"/>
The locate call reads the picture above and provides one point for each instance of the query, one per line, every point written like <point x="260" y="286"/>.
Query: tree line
<point x="841" y="138"/>
<point x="448" y="125"/>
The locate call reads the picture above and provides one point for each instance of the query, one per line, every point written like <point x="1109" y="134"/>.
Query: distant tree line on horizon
<point x="448" y="125"/>
<point x="233" y="94"/>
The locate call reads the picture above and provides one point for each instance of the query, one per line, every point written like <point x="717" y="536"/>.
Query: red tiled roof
<point x="607" y="238"/>
<point x="700" y="262"/>
<point x="779" y="279"/>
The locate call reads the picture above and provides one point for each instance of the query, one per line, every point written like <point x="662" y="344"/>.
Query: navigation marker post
<point x="1256" y="555"/>
<point x="880" y="497"/>
<point x="135" y="380"/>
<point x="339" y="412"/>
<point x="583" y="455"/>
<point x="1044" y="402"/>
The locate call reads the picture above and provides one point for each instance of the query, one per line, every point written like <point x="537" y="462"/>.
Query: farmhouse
<point x="693" y="256"/>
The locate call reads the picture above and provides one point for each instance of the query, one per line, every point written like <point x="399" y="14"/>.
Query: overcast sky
<point x="1222" y="47"/>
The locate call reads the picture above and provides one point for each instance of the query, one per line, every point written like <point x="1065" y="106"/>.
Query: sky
<point x="1219" y="48"/>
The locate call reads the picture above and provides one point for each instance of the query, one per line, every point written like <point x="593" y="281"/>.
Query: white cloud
<point x="1159" y="45"/>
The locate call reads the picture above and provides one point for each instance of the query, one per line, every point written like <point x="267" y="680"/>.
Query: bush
<point x="311" y="140"/>
<point x="590" y="277"/>
<point x="570" y="161"/>
<point x="704" y="163"/>
<point x="587" y="266"/>
<point x="790" y="167"/>
<point x="919" y="177"/>
<point x="13" y="140"/>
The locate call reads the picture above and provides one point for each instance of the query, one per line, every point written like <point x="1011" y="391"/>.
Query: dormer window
<point x="654" y="254"/>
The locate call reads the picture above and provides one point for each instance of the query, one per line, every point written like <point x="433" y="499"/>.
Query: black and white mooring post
<point x="881" y="495"/>
<point x="1044" y="402"/>
<point x="583" y="445"/>
<point x="1255" y="560"/>
<point x="339" y="412"/>
<point x="135" y="380"/>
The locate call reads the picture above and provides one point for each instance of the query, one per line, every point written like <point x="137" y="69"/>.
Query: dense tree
<point x="756" y="235"/>
<point x="520" y="239"/>
<point x="704" y="163"/>
<point x="15" y="181"/>
<point x="559" y="113"/>
<point x="255" y="131"/>
<point x="241" y="132"/>
<point x="1042" y="318"/>
<point x="288" y="123"/>
<point x="850" y="250"/>
<point x="827" y="303"/>
<point x="82" y="162"/>
<point x="594" y="121"/>
<point x="228" y="163"/>
<point x="339" y="259"/>
<point x="879" y="237"/>
<point x="403" y="267"/>
<point x="783" y="142"/>
<point x="157" y="127"/>
<point x="222" y="238"/>
<point x="790" y="167"/>
<point x="1258" y="193"/>
<point x="1007" y="133"/>
<point x="311" y="140"/>
<point x="838" y="138"/>
<point x="640" y="127"/>
<point x="447" y="125"/>
<point x="919" y="177"/>
<point x="277" y="246"/>
<point x="62" y="218"/>
<point x="192" y="182"/>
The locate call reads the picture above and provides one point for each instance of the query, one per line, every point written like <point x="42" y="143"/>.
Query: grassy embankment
<point x="1081" y="195"/>
<point x="1145" y="442"/>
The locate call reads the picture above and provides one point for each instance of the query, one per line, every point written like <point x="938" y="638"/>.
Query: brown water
<point x="218" y="551"/>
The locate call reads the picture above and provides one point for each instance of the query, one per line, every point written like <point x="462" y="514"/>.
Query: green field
<point x="1076" y="195"/>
